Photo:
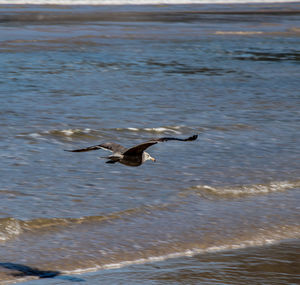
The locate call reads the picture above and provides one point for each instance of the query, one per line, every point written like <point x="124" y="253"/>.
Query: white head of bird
<point x="147" y="156"/>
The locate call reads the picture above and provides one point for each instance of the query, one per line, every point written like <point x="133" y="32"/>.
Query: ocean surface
<point x="139" y="2"/>
<point x="224" y="209"/>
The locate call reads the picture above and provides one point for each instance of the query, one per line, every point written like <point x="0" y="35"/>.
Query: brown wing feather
<point x="114" y="147"/>
<point x="138" y="149"/>
<point x="192" y="138"/>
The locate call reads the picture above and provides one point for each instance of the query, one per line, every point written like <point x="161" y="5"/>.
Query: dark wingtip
<point x="192" y="138"/>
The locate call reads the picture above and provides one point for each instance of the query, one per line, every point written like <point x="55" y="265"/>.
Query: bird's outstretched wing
<point x="113" y="147"/>
<point x="192" y="138"/>
<point x="138" y="149"/>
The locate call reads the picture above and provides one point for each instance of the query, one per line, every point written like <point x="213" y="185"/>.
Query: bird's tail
<point x="110" y="161"/>
<point x="112" y="158"/>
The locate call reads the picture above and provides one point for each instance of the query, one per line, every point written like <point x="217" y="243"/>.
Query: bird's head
<point x="149" y="157"/>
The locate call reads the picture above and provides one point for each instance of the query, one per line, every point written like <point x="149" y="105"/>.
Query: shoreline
<point x="28" y="274"/>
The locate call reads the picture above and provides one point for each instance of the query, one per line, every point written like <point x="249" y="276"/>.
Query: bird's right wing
<point x="113" y="147"/>
<point x="192" y="138"/>
<point x="138" y="149"/>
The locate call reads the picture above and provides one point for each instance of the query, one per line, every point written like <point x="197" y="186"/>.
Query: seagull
<point x="133" y="156"/>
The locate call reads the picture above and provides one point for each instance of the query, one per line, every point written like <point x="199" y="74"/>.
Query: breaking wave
<point x="245" y="190"/>
<point x="260" y="239"/>
<point x="110" y="133"/>
<point x="105" y="133"/>
<point x="246" y="33"/>
<point x="9" y="228"/>
<point x="158" y="130"/>
<point x="150" y="236"/>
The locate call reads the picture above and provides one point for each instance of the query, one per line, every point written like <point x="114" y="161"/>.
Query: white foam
<point x="276" y="186"/>
<point x="69" y="132"/>
<point x="175" y="129"/>
<point x="239" y="33"/>
<point x="10" y="228"/>
<point x="137" y="2"/>
<point x="133" y="129"/>
<point x="161" y="130"/>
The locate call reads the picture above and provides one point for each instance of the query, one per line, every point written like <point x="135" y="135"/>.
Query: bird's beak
<point x="153" y="159"/>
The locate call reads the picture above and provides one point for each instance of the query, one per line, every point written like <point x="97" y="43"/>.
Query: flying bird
<point x="133" y="156"/>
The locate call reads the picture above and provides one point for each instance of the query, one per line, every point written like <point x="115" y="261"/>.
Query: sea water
<point x="223" y="209"/>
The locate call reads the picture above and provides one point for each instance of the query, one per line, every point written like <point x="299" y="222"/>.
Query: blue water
<point x="70" y="83"/>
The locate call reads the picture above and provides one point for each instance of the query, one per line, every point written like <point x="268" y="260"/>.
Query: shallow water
<point x="264" y="265"/>
<point x="231" y="78"/>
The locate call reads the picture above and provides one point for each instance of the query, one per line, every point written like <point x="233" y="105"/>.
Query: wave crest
<point x="245" y="190"/>
<point x="9" y="228"/>
<point x="157" y="130"/>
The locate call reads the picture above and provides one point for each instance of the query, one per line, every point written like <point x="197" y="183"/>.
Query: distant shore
<point x="136" y="13"/>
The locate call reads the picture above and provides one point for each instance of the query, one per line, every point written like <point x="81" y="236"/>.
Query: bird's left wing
<point x="138" y="149"/>
<point x="114" y="147"/>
